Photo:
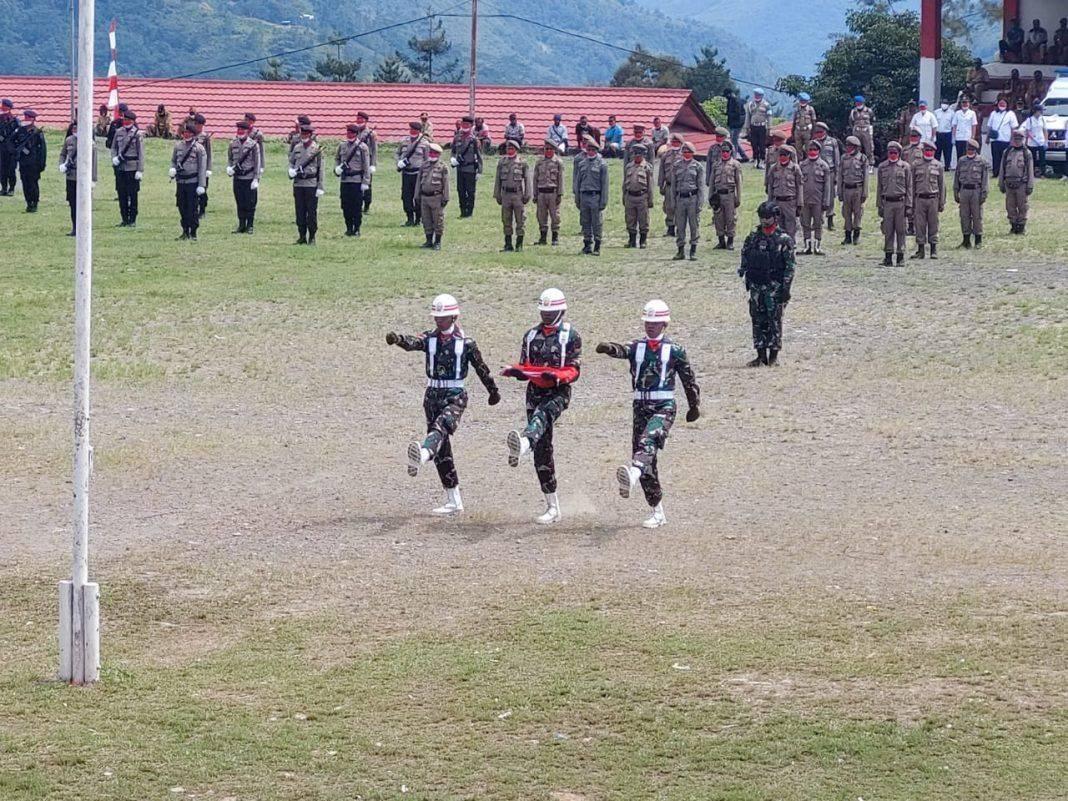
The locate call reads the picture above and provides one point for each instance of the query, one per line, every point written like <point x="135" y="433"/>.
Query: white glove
<point x="172" y="172"/>
<point x="230" y="171"/>
<point x="207" y="173"/>
<point x="201" y="190"/>
<point x="254" y="185"/>
<point x="63" y="167"/>
<point x="261" y="170"/>
<point x="364" y="187"/>
<point x="453" y="162"/>
<point x="402" y="163"/>
<point x="138" y="175"/>
<point x="478" y="175"/>
<point x="292" y="172"/>
<point x="319" y="192"/>
<point x="337" y="170"/>
<point x="115" y="160"/>
<point x="373" y="168"/>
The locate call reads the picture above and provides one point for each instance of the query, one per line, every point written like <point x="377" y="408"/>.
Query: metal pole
<point x="474" y="58"/>
<point x="73" y="49"/>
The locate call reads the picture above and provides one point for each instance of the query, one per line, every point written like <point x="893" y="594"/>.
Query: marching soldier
<point x="861" y="120"/>
<point x="31" y="151"/>
<point x="467" y="159"/>
<point x="590" y="186"/>
<point x="687" y="185"/>
<point x="725" y="196"/>
<point x="432" y="196"/>
<point x="768" y="269"/>
<point x="929" y="200"/>
<point x="367" y="135"/>
<point x="757" y="115"/>
<point x="549" y="362"/>
<point x="128" y="159"/>
<point x="712" y="157"/>
<point x="549" y="186"/>
<point x="818" y="191"/>
<point x="306" y="172"/>
<point x="639" y="138"/>
<point x="637" y="195"/>
<point x="786" y="187"/>
<point x="512" y="189"/>
<point x="9" y="126"/>
<point x="256" y="135"/>
<point x="189" y="166"/>
<point x="449" y="356"/>
<point x="894" y="201"/>
<point x="672" y="153"/>
<point x="853" y="189"/>
<point x="352" y="164"/>
<point x="243" y="165"/>
<point x="413" y="153"/>
<point x="831" y="152"/>
<point x="971" y="184"/>
<point x="1016" y="181"/>
<point x="205" y="142"/>
<point x="68" y="166"/>
<point x="804" y="122"/>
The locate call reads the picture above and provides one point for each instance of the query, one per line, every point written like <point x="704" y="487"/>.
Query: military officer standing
<point x="712" y="157"/>
<point x="637" y="195"/>
<point x="929" y="200"/>
<point x="971" y="184"/>
<point x="778" y="144"/>
<point x="655" y="363"/>
<point x="786" y="187"/>
<point x="804" y="122"/>
<point x="256" y="135"/>
<point x="367" y="135"/>
<point x="549" y="361"/>
<point x="189" y="166"/>
<point x="830" y="152"/>
<point x="725" y="196"/>
<point x="639" y="138"/>
<point x="467" y="160"/>
<point x="861" y="120"/>
<point x="352" y="164"/>
<point x="412" y="154"/>
<point x="512" y="187"/>
<point x="243" y="165"/>
<point x="818" y="191"/>
<point x="672" y="153"/>
<point x="205" y="142"/>
<point x="9" y="126"/>
<point x="687" y="184"/>
<point x="894" y="201"/>
<point x="589" y="183"/>
<point x="549" y="186"/>
<point x="757" y="115"/>
<point x="853" y="188"/>
<point x="450" y="354"/>
<point x="432" y="196"/>
<point x="31" y="151"/>
<point x="68" y="166"/>
<point x="1016" y="181"/>
<point x="912" y="154"/>
<point x="128" y="158"/>
<point x="768" y="269"/>
<point x="306" y="172"/>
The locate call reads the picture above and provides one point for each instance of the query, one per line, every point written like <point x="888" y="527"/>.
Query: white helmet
<point x="552" y="300"/>
<point x="656" y="311"/>
<point x="445" y="306"/>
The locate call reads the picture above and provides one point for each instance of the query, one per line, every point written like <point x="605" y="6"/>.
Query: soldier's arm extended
<point x="689" y="381"/>
<point x="613" y="350"/>
<point x="407" y="341"/>
<point x="482" y="371"/>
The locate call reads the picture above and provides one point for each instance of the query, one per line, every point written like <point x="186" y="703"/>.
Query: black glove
<point x="513" y="372"/>
<point x="494" y="397"/>
<point x="550" y="377"/>
<point x="784" y="297"/>
<point x="392" y="338"/>
<point x="693" y="414"/>
<point x="602" y="347"/>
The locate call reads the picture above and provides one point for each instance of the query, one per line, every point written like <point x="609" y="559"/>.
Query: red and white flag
<point x="113" y="73"/>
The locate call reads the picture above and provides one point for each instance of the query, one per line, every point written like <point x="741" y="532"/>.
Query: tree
<point x="422" y="65"/>
<point x="879" y="58"/>
<point x="643" y="68"/>
<point x="392" y="70"/>
<point x="336" y="70"/>
<point x="274" y="71"/>
<point x="709" y="76"/>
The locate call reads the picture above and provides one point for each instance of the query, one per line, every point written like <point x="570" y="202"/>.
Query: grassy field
<point x="861" y="593"/>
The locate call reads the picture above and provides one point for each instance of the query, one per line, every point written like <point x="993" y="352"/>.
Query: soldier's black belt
<point x="591" y="191"/>
<point x="1013" y="184"/>
<point x="507" y="189"/>
<point x="544" y="189"/>
<point x="243" y="174"/>
<point x="724" y="191"/>
<point x="685" y="194"/>
<point x="635" y="194"/>
<point x="852" y="186"/>
<point x="894" y="199"/>
<point x="185" y="176"/>
<point x="969" y="186"/>
<point x="786" y="197"/>
<point x="429" y="194"/>
<point x="927" y="195"/>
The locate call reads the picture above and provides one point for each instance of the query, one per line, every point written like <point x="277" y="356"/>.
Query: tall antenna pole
<point x="72" y="29"/>
<point x="474" y="58"/>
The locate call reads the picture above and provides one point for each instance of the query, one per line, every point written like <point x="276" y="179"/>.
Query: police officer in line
<point x="1016" y="181"/>
<point x="189" y="168"/>
<point x="687" y="185"/>
<point x="549" y="189"/>
<point x="467" y="160"/>
<point x="853" y="188"/>
<point x="128" y="159"/>
<point x="672" y="152"/>
<point x="432" y="195"/>
<point x="757" y="116"/>
<point x="411" y="153"/>
<point x="366" y="134"/>
<point x="68" y="166"/>
<point x="778" y="144"/>
<point x="804" y="122"/>
<point x="294" y="136"/>
<point x="830" y="152"/>
<point x="589" y="183"/>
<point x="205" y="142"/>
<point x="893" y="195"/>
<point x="512" y="188"/>
<point x="637" y="195"/>
<point x="861" y="121"/>
<point x="9" y="126"/>
<point x="818" y="191"/>
<point x="971" y="185"/>
<point x="31" y="151"/>
<point x="768" y="271"/>
<point x="243" y="165"/>
<point x="256" y="135"/>
<point x="352" y="164"/>
<point x="306" y="172"/>
<point x="639" y="137"/>
<point x="725" y="196"/>
<point x="786" y="187"/>
<point x="929" y="200"/>
<point x="712" y="157"/>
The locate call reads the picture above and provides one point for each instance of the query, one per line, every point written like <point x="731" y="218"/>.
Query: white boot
<point x="657" y="518"/>
<point x="518" y="447"/>
<point x="454" y="504"/>
<point x="627" y="476"/>
<point x="552" y="510"/>
<point x="417" y="457"/>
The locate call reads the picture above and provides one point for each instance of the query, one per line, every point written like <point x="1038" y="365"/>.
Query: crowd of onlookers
<point x="1035" y="45"/>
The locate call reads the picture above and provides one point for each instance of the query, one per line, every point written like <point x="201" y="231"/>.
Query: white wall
<point x="1048" y="11"/>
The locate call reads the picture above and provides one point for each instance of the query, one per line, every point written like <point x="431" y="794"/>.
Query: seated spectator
<point x="1010" y="49"/>
<point x="1058" y="54"/>
<point x="515" y="130"/>
<point x="1036" y="89"/>
<point x="1016" y="88"/>
<point x="584" y="129"/>
<point x="161" y="125"/>
<point x="975" y="83"/>
<point x="482" y="134"/>
<point x="613" y="138"/>
<point x="1034" y="49"/>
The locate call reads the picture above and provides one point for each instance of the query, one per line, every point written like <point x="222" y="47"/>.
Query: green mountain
<point x="176" y="37"/>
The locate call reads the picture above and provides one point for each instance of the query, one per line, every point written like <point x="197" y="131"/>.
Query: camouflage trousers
<point x="443" y="408"/>
<point x="652" y="422"/>
<point x="765" y="311"/>
<point x="544" y="406"/>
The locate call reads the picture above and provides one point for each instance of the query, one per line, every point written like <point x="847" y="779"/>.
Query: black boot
<point x="830" y="222"/>
<point x="556" y="238"/>
<point x="967" y="241"/>
<point x="761" y="358"/>
<point x="900" y="259"/>
<point x="670" y="231"/>
<point x="597" y="247"/>
<point x="934" y="250"/>
<point x="730" y="243"/>
<point x="856" y="236"/>
<point x="848" y="237"/>
<point x="721" y="243"/>
<point x="410" y="221"/>
<point x="642" y="240"/>
<point x="978" y="241"/>
<point x="1021" y="232"/>
<point x="808" y="247"/>
<point x="542" y="238"/>
<point x="507" y="244"/>
<point x="586" y="247"/>
<point x="437" y="242"/>
<point x="679" y="256"/>
<point x="311" y="237"/>
<point x="429" y="242"/>
<point x="302" y="238"/>
<point x="693" y="252"/>
<point x="919" y="254"/>
<point x="519" y="242"/>
<point x="240" y="228"/>
<point x="773" y="357"/>
<point x="631" y="239"/>
<point x="888" y="260"/>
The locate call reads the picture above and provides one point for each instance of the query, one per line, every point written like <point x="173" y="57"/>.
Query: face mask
<point x="725" y="155"/>
<point x="769" y="229"/>
<point x="893" y="156"/>
<point x="465" y="129"/>
<point x="306" y="139"/>
<point x="1002" y="107"/>
<point x="591" y="154"/>
<point x="813" y="155"/>
<point x="945" y="107"/>
<point x="784" y="160"/>
<point x="350" y="136"/>
<point x="851" y="149"/>
<point x="638" y="159"/>
<point x="511" y="153"/>
<point x="928" y="154"/>
<point x="242" y="135"/>
<point x="549" y="153"/>
<point x="127" y="123"/>
<point x="25" y="123"/>
<point x="432" y="156"/>
<point x="687" y="155"/>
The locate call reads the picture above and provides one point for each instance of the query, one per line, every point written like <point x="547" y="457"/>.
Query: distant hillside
<point x="170" y="37"/>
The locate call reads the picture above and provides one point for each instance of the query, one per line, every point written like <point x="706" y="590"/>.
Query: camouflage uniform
<point x="768" y="269"/>
<point x="447" y="362"/>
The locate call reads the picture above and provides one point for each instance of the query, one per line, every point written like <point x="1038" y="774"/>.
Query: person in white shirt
<point x="999" y="128"/>
<point x="1036" y="137"/>
<point x="944" y="133"/>
<point x="925" y="122"/>
<point x="965" y="126"/>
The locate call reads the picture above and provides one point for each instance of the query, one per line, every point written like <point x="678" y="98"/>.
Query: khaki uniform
<point x="757" y="116"/>
<point x="1016" y="181"/>
<point x="687" y="182"/>
<point x="894" y="198"/>
<point x="589" y="183"/>
<point x="804" y="121"/>
<point x="432" y="196"/>
<point x="860" y="122"/>
<point x="853" y="189"/>
<point x="162" y="124"/>
<point x="725" y="196"/>
<point x="628" y="149"/>
<point x="549" y="185"/>
<point x="929" y="199"/>
<point x="772" y="157"/>
<point x="831" y="152"/>
<point x="637" y="197"/>
<point x="712" y="158"/>
<point x="818" y="190"/>
<point x="971" y="184"/>
<point x="512" y="190"/>
<point x="667" y="164"/>
<point x="786" y="187"/>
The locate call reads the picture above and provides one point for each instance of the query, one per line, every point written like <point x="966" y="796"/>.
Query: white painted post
<point x="66" y="640"/>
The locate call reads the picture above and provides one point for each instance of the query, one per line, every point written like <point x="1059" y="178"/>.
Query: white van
<point x="1056" y="117"/>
